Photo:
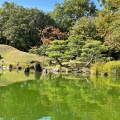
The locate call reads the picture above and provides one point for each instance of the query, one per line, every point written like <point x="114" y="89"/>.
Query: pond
<point x="58" y="97"/>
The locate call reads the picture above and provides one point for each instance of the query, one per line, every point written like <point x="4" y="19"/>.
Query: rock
<point x="3" y="67"/>
<point x="27" y="69"/>
<point x="31" y="66"/>
<point x="1" y="57"/>
<point x="105" y="74"/>
<point x="44" y="71"/>
<point x="70" y="71"/>
<point x="55" y="70"/>
<point x="63" y="71"/>
<point x="10" y="67"/>
<point x="31" y="62"/>
<point x="78" y="71"/>
<point x="19" y="67"/>
<point x="37" y="67"/>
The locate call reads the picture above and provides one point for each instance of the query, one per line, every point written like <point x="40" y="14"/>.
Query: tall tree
<point x="84" y="26"/>
<point x="20" y="25"/>
<point x="107" y="15"/>
<point x="112" y="5"/>
<point x="112" y="38"/>
<point x="70" y="11"/>
<point x="107" y="24"/>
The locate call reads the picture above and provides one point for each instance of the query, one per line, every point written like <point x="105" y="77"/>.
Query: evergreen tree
<point x="74" y="46"/>
<point x="93" y="51"/>
<point x="55" y="51"/>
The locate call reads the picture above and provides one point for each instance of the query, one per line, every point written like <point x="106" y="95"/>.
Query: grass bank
<point x="13" y="56"/>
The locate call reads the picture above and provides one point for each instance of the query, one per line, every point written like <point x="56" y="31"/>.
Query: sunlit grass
<point x="13" y="56"/>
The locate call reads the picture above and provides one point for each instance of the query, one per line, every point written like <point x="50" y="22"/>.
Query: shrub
<point x="112" y="68"/>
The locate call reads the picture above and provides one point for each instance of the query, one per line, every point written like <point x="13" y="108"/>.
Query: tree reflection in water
<point x="67" y="97"/>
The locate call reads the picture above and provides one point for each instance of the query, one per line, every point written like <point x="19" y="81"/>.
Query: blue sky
<point x="45" y="5"/>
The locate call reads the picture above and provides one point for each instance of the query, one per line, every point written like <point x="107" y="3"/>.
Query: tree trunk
<point x="88" y="63"/>
<point x="58" y="61"/>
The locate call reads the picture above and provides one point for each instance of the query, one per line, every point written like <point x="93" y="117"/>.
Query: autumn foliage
<point x="51" y="33"/>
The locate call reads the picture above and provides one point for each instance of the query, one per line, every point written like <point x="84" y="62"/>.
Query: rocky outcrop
<point x="37" y="67"/>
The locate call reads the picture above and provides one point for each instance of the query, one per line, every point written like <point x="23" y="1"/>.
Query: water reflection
<point x="37" y="75"/>
<point x="45" y="118"/>
<point x="27" y="73"/>
<point x="67" y="97"/>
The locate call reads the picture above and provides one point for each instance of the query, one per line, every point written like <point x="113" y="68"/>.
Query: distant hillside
<point x="12" y="56"/>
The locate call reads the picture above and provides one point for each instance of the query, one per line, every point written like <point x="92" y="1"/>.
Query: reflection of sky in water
<point x="45" y="118"/>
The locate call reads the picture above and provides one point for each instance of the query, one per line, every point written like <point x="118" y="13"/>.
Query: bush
<point x="112" y="68"/>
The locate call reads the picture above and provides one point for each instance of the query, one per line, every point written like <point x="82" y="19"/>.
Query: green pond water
<point x="58" y="97"/>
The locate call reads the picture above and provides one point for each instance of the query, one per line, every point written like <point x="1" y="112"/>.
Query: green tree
<point x="40" y="51"/>
<point x="112" y="5"/>
<point x="107" y="15"/>
<point x="93" y="51"/>
<point x="84" y="26"/>
<point x="74" y="47"/>
<point x="55" y="51"/>
<point x="107" y="24"/>
<point x="21" y="25"/>
<point x="112" y="38"/>
<point x="103" y="21"/>
<point x="69" y="11"/>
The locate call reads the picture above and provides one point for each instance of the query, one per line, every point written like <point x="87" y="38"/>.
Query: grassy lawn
<point x="13" y="56"/>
